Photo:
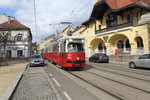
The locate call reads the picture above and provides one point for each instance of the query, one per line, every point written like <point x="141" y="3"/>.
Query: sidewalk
<point x="9" y="77"/>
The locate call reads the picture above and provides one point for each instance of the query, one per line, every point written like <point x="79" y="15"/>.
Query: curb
<point x="8" y="92"/>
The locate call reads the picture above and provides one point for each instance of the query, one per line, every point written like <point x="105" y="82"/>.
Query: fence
<point x="128" y="51"/>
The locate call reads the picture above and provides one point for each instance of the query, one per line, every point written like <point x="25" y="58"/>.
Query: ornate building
<point x="15" y="38"/>
<point x="121" y="26"/>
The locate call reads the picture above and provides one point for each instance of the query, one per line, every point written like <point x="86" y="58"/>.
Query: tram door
<point x="62" y="52"/>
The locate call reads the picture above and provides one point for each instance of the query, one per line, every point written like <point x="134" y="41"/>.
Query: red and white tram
<point x="68" y="52"/>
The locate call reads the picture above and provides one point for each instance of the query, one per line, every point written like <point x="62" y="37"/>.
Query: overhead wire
<point x="35" y="18"/>
<point x="72" y="11"/>
<point x="75" y="14"/>
<point x="81" y="9"/>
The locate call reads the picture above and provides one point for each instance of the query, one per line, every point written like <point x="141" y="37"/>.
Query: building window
<point x="129" y="18"/>
<point x="120" y="44"/>
<point x="139" y="41"/>
<point x="127" y="45"/>
<point x="100" y="46"/>
<point x="99" y="27"/>
<point x="19" y="38"/>
<point x="111" y="20"/>
<point x="19" y="53"/>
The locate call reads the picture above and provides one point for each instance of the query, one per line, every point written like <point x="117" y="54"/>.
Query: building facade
<point x="118" y="27"/>
<point x="42" y="44"/>
<point x="15" y="39"/>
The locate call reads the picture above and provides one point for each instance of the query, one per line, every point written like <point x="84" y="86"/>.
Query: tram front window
<point x="75" y="47"/>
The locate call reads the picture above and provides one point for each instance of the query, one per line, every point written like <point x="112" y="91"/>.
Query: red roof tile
<point x="13" y="24"/>
<point x="117" y="4"/>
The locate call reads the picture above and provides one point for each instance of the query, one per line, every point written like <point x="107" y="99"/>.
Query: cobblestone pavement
<point x="34" y="86"/>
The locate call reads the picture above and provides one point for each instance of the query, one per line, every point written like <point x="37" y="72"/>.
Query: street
<point x="97" y="81"/>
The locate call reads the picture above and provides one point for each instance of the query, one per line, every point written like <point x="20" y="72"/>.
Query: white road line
<point x="56" y="82"/>
<point x="67" y="96"/>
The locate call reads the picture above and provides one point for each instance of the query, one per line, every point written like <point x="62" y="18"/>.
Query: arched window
<point x="120" y="44"/>
<point x="127" y="45"/>
<point x="19" y="37"/>
<point x="100" y="46"/>
<point x="139" y="42"/>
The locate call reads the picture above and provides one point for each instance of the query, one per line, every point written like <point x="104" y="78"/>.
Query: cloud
<point x="8" y="3"/>
<point x="50" y="12"/>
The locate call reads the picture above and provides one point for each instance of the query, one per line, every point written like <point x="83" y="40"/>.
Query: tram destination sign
<point x="57" y="37"/>
<point x="77" y="40"/>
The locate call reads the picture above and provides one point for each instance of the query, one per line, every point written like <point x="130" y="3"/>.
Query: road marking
<point x="50" y="75"/>
<point x="56" y="82"/>
<point x="67" y="96"/>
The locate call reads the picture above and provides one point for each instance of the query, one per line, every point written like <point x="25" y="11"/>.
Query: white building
<point x="15" y="38"/>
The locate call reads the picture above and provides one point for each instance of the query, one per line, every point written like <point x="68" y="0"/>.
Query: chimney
<point x="9" y="19"/>
<point x="12" y="18"/>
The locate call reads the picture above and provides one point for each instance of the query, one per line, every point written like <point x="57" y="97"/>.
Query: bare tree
<point x="5" y="37"/>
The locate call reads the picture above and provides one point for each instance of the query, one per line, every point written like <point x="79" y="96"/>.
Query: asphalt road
<point x="98" y="81"/>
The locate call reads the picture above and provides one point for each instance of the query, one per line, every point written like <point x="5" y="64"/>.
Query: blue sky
<point x="7" y="11"/>
<point x="47" y="12"/>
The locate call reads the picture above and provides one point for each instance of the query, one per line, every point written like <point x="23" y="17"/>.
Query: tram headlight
<point x="69" y="56"/>
<point x="77" y="58"/>
<point x="70" y="40"/>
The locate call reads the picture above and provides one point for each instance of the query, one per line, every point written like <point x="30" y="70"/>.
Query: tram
<point x="68" y="52"/>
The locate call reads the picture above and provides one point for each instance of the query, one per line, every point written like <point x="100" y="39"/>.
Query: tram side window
<point x="62" y="47"/>
<point x="56" y="48"/>
<point x="50" y="48"/>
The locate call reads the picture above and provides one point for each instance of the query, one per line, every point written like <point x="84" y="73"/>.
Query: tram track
<point x="124" y="69"/>
<point x="115" y="88"/>
<point x="119" y="95"/>
<point x="119" y="82"/>
<point x="108" y="92"/>
<point x="119" y="73"/>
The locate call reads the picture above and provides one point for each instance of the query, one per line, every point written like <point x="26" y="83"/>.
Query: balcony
<point x="120" y="26"/>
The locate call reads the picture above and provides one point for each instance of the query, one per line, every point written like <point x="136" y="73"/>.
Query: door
<point x="19" y="53"/>
<point x="8" y="53"/>
<point x="147" y="61"/>
<point x="143" y="60"/>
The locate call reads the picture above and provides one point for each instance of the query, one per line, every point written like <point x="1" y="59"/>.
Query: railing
<point x="127" y="51"/>
<point x="135" y="51"/>
<point x="102" y="51"/>
<point x="114" y="28"/>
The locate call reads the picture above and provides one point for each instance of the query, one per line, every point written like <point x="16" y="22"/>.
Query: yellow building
<point x="118" y="27"/>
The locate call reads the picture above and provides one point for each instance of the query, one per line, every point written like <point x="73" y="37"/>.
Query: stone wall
<point x="123" y="58"/>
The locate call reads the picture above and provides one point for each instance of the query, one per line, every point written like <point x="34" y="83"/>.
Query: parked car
<point x="36" y="60"/>
<point x="142" y="61"/>
<point x="99" y="57"/>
